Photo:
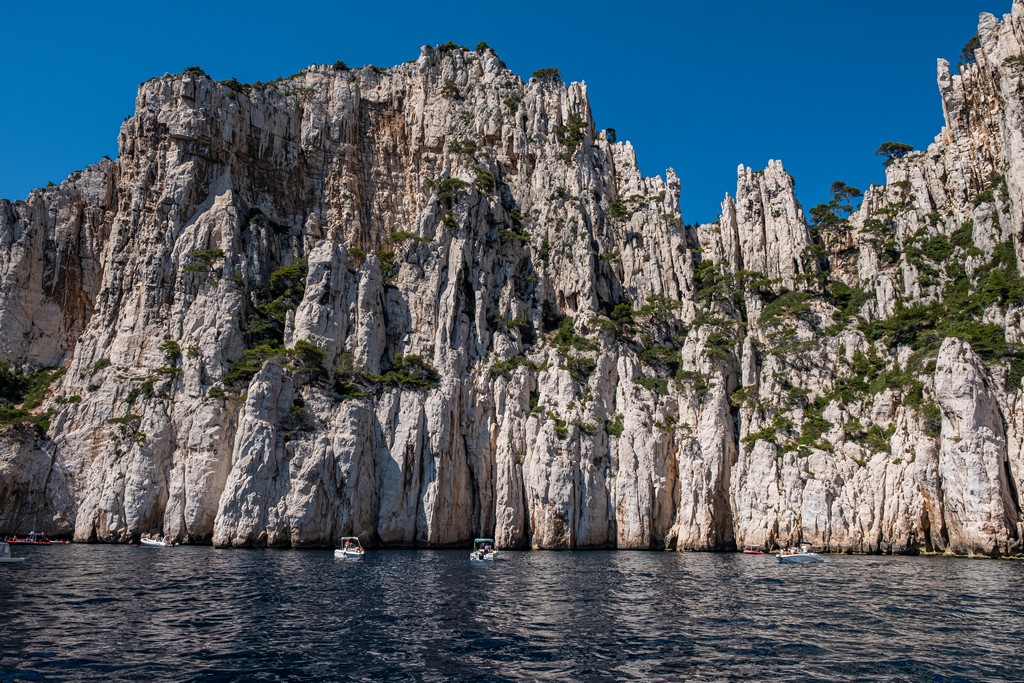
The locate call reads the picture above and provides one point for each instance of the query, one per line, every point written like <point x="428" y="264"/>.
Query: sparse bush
<point x="28" y="389"/>
<point x="893" y="151"/>
<point x="787" y="304"/>
<point x="450" y="90"/>
<point x="985" y="197"/>
<point x="580" y="367"/>
<point x="171" y="351"/>
<point x="241" y="372"/>
<point x="202" y="261"/>
<point x="963" y="237"/>
<point x="614" y="426"/>
<point x="561" y="426"/>
<point x="447" y="188"/>
<point x="307" y="357"/>
<point x="513" y="101"/>
<point x="567" y="338"/>
<point x="967" y="54"/>
<point x="462" y="147"/>
<point x="408" y="372"/>
<point x="571" y="133"/>
<point x="617" y="209"/>
<point x="509" y="365"/>
<point x="655" y="384"/>
<point x="485" y="180"/>
<point x="289" y="280"/>
<point x="931" y="418"/>
<point x="662" y="358"/>
<point x="549" y="75"/>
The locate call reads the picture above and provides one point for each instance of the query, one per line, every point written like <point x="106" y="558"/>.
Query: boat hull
<point x="800" y="558"/>
<point x="348" y="554"/>
<point x="11" y="560"/>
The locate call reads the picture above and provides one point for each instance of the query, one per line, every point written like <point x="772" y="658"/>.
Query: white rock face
<point x="432" y="302"/>
<point x="972" y="457"/>
<point x="765" y="227"/>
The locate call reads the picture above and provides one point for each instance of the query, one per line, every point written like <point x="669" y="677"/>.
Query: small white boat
<point x="801" y="555"/>
<point x="350" y="548"/>
<point x="5" y="554"/>
<point x="483" y="549"/>
<point x="156" y="542"/>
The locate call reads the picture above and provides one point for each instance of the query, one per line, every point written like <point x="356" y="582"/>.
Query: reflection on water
<point x="86" y="612"/>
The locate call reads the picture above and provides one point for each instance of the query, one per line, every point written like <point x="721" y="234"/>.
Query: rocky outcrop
<point x="764" y="230"/>
<point x="431" y="302"/>
<point x="51" y="264"/>
<point x="972" y="465"/>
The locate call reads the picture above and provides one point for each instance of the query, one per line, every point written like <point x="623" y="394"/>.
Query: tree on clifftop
<point x="548" y="75"/>
<point x="893" y="151"/>
<point x="830" y="220"/>
<point x="967" y="54"/>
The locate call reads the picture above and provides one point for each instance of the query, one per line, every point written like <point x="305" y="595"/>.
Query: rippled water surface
<point x="90" y="612"/>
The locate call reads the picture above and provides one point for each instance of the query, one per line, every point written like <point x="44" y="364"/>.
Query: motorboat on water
<point x="157" y="542"/>
<point x="5" y="554"/>
<point x="32" y="539"/>
<point x="350" y="548"/>
<point x="753" y="550"/>
<point x="483" y="549"/>
<point x="801" y="555"/>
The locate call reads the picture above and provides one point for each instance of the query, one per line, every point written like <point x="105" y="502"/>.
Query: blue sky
<point x="697" y="86"/>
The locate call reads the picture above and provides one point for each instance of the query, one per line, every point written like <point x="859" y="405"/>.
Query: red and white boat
<point x="32" y="539"/>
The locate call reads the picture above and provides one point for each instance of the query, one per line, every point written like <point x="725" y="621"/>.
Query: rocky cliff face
<point x="431" y="302"/>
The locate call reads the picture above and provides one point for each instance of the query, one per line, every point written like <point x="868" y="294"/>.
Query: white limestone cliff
<point x="431" y="302"/>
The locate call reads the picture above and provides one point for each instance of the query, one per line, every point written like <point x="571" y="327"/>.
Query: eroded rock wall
<point x="432" y="302"/>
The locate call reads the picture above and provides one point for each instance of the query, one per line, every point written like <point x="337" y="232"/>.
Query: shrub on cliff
<point x="29" y="390"/>
<point x="242" y="372"/>
<point x="307" y="357"/>
<point x="549" y="75"/>
<point x="289" y="280"/>
<point x="967" y="54"/>
<point x="13" y="384"/>
<point x="201" y="261"/>
<point x="893" y="151"/>
<point x="615" y="425"/>
<point x="408" y="372"/>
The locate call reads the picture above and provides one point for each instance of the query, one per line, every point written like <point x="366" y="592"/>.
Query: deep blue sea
<point x="95" y="612"/>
